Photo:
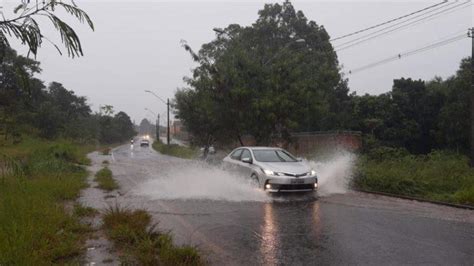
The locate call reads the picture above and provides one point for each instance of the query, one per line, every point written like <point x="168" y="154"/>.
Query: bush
<point x="35" y="229"/>
<point x="441" y="176"/>
<point x="175" y="150"/>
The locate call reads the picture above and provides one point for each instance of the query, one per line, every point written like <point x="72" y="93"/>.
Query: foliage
<point x="441" y="176"/>
<point x="175" y="150"/>
<point x="28" y="107"/>
<point x="35" y="229"/>
<point x="105" y="179"/>
<point x="276" y="76"/>
<point x="24" y="26"/>
<point x="132" y="232"/>
<point x="419" y="116"/>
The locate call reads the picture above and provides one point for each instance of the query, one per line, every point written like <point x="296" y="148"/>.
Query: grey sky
<point x="136" y="46"/>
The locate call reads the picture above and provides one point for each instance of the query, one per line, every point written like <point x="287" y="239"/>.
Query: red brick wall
<point x="307" y="143"/>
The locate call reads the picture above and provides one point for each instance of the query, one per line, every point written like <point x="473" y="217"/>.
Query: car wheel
<point x="255" y="181"/>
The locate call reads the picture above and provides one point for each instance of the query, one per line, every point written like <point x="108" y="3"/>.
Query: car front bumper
<point x="291" y="184"/>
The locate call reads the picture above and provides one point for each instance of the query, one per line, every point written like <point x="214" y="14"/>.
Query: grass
<point x="84" y="211"/>
<point x="35" y="228"/>
<point x="105" y="179"/>
<point x="141" y="243"/>
<point x="440" y="176"/>
<point x="175" y="150"/>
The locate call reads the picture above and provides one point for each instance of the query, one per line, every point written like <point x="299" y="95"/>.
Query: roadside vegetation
<point x="84" y="211"/>
<point x="46" y="130"/>
<point x="38" y="178"/>
<point x="439" y="175"/>
<point x="175" y="150"/>
<point x="141" y="243"/>
<point x="105" y="179"/>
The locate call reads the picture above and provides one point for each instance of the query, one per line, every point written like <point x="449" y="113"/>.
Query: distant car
<point x="273" y="169"/>
<point x="144" y="143"/>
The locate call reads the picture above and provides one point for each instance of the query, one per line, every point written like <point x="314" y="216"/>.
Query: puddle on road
<point x="200" y="181"/>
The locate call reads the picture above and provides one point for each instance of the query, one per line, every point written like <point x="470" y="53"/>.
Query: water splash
<point x="196" y="180"/>
<point x="335" y="172"/>
<point x="193" y="180"/>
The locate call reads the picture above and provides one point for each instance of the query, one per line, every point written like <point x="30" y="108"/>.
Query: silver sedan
<point x="273" y="169"/>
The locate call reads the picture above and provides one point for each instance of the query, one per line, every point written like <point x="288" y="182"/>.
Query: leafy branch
<point x="25" y="28"/>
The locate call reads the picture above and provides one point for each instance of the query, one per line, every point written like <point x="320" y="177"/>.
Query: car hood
<point x="288" y="167"/>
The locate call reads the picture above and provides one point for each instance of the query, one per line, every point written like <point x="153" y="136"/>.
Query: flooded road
<point x="234" y="224"/>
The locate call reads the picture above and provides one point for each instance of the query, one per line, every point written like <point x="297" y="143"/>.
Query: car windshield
<point x="273" y="156"/>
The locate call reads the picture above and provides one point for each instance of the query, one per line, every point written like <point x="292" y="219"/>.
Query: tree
<point x="24" y="26"/>
<point x="453" y="123"/>
<point x="20" y="92"/>
<point x="417" y="115"/>
<point x="276" y="76"/>
<point x="60" y="112"/>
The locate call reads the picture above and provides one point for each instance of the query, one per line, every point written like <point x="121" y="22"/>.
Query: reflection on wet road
<point x="235" y="224"/>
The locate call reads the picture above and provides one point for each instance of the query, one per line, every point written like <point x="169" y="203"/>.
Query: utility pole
<point x="168" y="107"/>
<point x="158" y="127"/>
<point x="471" y="35"/>
<point x="168" y="133"/>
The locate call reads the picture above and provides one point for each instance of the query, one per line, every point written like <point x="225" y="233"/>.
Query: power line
<point x="381" y="32"/>
<point x="389" y="21"/>
<point x="409" y="53"/>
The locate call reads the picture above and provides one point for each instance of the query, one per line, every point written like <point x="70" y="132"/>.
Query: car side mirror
<point x="247" y="160"/>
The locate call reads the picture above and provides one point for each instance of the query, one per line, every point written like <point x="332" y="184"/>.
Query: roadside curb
<point x="460" y="206"/>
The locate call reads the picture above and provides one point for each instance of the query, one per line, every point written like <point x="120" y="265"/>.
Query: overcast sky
<point x="136" y="46"/>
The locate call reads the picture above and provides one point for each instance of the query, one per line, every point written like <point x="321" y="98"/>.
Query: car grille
<point x="293" y="186"/>
<point x="295" y="175"/>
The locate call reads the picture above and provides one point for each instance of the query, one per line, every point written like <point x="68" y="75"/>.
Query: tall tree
<point x="271" y="78"/>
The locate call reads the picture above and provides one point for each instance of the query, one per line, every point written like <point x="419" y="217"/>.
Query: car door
<point x="233" y="161"/>
<point x="246" y="168"/>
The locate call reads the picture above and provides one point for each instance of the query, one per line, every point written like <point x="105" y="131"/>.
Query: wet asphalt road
<point x="351" y="228"/>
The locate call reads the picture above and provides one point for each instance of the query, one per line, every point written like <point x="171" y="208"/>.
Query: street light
<point x="157" y="126"/>
<point x="168" y="110"/>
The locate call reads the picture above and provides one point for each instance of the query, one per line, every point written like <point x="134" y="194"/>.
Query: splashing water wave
<point x="200" y="181"/>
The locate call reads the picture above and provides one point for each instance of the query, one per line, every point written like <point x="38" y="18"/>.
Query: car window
<point x="236" y="154"/>
<point x="273" y="156"/>
<point x="246" y="154"/>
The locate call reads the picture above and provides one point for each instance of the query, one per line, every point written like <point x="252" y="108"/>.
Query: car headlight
<point x="313" y="173"/>
<point x="268" y="172"/>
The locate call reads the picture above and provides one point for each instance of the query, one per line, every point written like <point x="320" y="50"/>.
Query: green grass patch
<point x="105" y="179"/>
<point x="84" y="211"/>
<point x="175" y="150"/>
<point x="440" y="176"/>
<point x="35" y="228"/>
<point x="141" y="242"/>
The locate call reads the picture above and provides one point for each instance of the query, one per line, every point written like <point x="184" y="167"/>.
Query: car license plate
<point x="297" y="181"/>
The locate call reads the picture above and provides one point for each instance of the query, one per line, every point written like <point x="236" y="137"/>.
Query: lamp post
<point x="167" y="102"/>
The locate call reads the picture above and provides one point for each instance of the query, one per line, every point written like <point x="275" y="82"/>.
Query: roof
<point x="260" y="148"/>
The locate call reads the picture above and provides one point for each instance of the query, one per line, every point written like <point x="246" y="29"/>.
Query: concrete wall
<point x="312" y="142"/>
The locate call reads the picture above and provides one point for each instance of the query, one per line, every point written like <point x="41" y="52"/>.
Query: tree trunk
<point x="240" y="140"/>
